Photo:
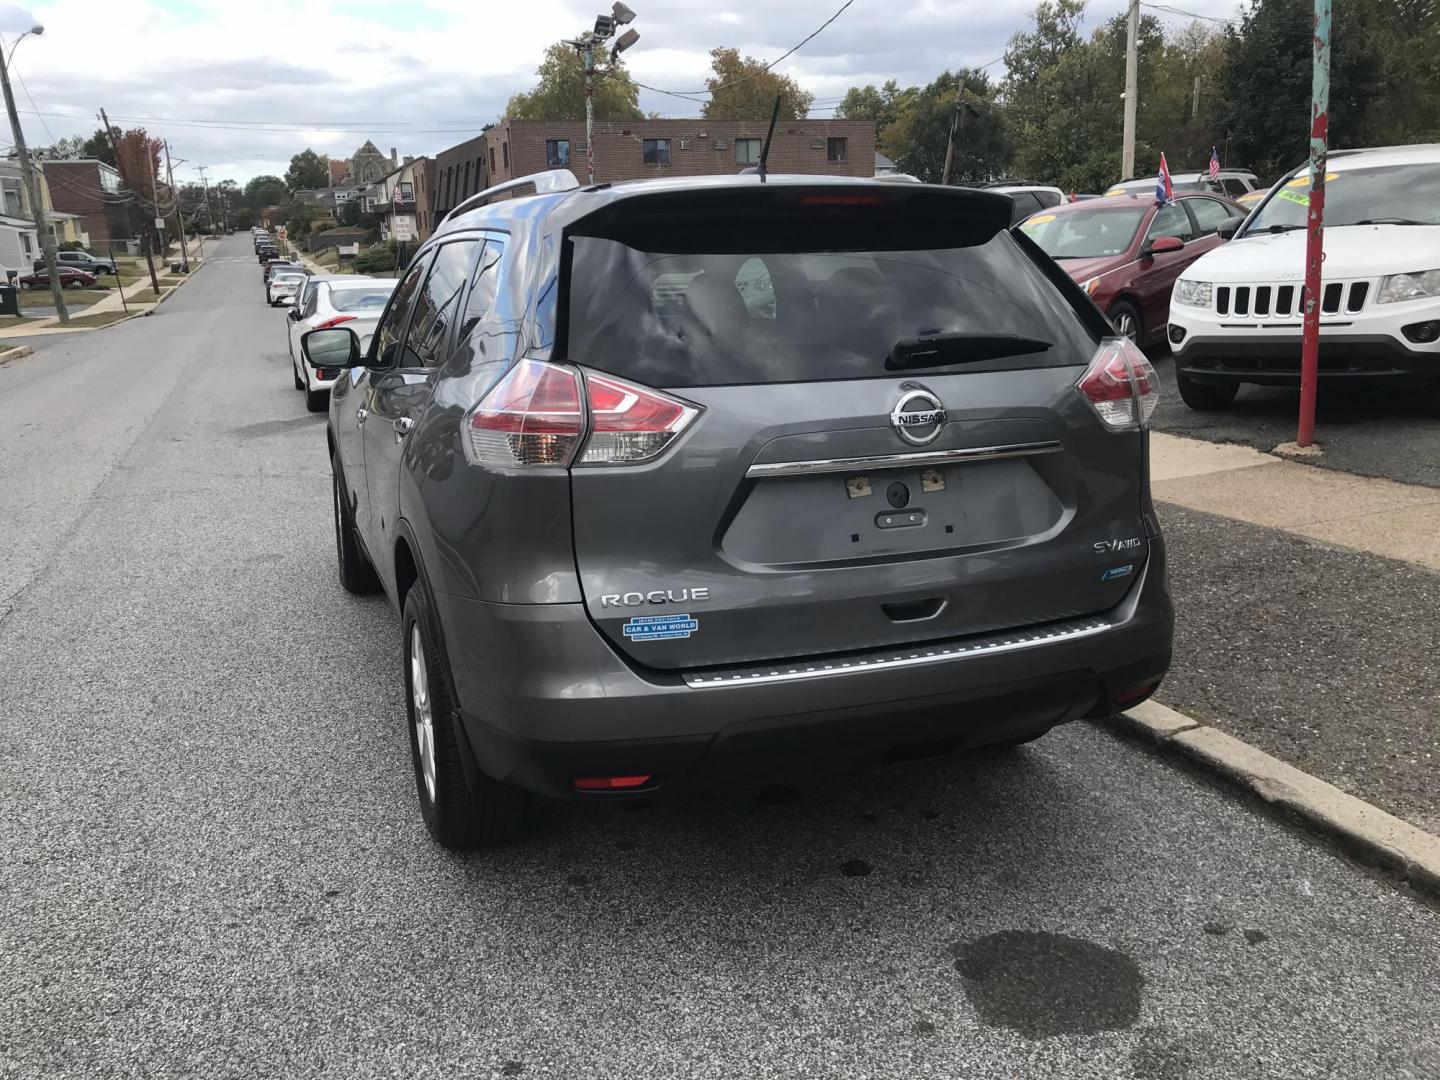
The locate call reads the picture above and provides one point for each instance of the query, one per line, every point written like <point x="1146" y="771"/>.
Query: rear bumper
<point x="543" y="699"/>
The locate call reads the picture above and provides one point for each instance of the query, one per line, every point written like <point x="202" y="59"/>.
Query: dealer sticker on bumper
<point x="660" y="627"/>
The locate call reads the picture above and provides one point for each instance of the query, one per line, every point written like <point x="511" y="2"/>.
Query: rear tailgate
<point x="795" y="516"/>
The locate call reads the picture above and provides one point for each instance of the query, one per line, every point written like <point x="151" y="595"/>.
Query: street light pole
<point x="585" y="44"/>
<point x="589" y="56"/>
<point x="32" y="182"/>
<point x="179" y="218"/>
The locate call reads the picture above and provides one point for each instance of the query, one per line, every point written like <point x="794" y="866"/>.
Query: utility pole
<point x="205" y="202"/>
<point x="1132" y="91"/>
<point x="149" y="262"/>
<point x="1195" y="100"/>
<point x="954" y="123"/>
<point x="179" y="220"/>
<point x="32" y="186"/>
<point x="1315" y="223"/>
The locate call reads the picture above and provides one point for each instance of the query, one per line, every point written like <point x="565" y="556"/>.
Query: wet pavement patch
<point x="855" y="868"/>
<point x="1255" y="937"/>
<point x="1043" y="984"/>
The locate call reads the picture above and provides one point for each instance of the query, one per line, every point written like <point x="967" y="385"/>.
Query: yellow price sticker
<point x="1304" y="181"/>
<point x="1114" y="191"/>
<point x="1039" y="219"/>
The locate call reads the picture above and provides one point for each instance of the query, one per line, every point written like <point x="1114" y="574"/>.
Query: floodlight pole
<point x="589" y="57"/>
<point x="1315" y="224"/>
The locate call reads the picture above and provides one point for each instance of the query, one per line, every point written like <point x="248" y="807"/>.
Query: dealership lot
<point x="215" y="866"/>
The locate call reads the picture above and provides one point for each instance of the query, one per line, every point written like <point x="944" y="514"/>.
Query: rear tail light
<point x="336" y="321"/>
<point x="1120" y="385"/>
<point x="532" y="416"/>
<point x="630" y="423"/>
<point x="539" y="413"/>
<point x="610" y="783"/>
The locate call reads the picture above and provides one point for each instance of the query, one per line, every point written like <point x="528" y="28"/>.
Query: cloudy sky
<point x="239" y="87"/>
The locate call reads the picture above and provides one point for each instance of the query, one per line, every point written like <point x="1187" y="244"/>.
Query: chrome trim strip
<point x="988" y="645"/>
<point x="901" y="461"/>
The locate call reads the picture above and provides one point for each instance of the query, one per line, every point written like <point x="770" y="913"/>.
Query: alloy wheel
<point x="422" y="710"/>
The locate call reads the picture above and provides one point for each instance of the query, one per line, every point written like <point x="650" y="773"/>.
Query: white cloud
<point x="215" y="78"/>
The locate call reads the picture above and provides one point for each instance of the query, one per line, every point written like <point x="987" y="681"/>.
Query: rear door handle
<point x="360" y="415"/>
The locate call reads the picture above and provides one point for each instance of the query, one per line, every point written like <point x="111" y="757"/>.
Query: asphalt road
<point x="213" y="865"/>
<point x="1367" y="430"/>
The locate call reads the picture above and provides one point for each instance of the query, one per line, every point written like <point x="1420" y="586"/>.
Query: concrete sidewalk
<point x="1398" y="521"/>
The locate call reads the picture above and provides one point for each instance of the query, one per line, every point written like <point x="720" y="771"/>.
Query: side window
<point x="1209" y="214"/>
<point x="1171" y="220"/>
<point x="1234" y="187"/>
<point x="392" y="323"/>
<point x="435" y="305"/>
<point x="1047" y="199"/>
<point x="487" y="284"/>
<point x="312" y="301"/>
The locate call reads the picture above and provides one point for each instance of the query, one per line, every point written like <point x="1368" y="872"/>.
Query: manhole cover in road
<point x="1042" y="984"/>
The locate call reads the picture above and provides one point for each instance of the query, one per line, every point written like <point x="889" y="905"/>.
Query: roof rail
<point x="543" y="182"/>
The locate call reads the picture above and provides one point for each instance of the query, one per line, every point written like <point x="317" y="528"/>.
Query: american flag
<point x="1214" y="164"/>
<point x="1164" y="188"/>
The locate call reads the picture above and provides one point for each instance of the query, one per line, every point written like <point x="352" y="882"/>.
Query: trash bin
<point x="9" y="300"/>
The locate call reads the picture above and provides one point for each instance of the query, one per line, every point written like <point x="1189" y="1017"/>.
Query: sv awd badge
<point x="1109" y="547"/>
<point x="655" y="596"/>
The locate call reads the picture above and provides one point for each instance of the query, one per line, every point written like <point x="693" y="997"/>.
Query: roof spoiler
<point x="544" y="183"/>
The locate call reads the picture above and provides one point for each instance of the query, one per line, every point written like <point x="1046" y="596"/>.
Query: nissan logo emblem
<point x="918" y="416"/>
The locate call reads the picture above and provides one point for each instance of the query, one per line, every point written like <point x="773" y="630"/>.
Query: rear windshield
<point x="360" y="299"/>
<point x="676" y="320"/>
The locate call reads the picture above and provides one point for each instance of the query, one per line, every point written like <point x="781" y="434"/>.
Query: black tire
<point x="1205" y="397"/>
<point x="317" y="400"/>
<point x="1125" y="317"/>
<point x="357" y="575"/>
<point x="457" y="816"/>
<point x="299" y="382"/>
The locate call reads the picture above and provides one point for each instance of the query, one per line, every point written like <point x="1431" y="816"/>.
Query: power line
<point x="690" y="94"/>
<point x="1187" y="14"/>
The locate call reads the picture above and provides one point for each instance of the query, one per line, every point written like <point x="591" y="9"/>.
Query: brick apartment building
<point x="641" y="149"/>
<point x="454" y="175"/>
<point x="91" y="189"/>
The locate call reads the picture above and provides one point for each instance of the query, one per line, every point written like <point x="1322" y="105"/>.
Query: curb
<point x="1366" y="831"/>
<point x="19" y="352"/>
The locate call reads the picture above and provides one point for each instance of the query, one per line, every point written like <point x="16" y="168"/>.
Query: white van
<point x="1236" y="312"/>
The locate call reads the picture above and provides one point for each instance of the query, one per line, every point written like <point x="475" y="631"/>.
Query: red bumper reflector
<point x="1137" y="695"/>
<point x="609" y="783"/>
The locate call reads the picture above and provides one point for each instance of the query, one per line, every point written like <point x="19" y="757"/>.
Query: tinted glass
<point x="361" y="301"/>
<point x="435" y="308"/>
<point x="677" y="320"/>
<point x="487" y="282"/>
<point x="1234" y="186"/>
<point x="1209" y="214"/>
<point x="1400" y="194"/>
<point x="1171" y="220"/>
<point x="1047" y="199"/>
<point x="1086" y="234"/>
<point x="393" y="323"/>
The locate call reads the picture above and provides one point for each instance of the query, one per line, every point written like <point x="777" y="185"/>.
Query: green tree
<point x="1263" y="107"/>
<point x="741" y="88"/>
<point x="350" y="213"/>
<point x="920" y="133"/>
<point x="560" y="92"/>
<point x="99" y="146"/>
<point x="883" y="106"/>
<point x="263" y="191"/>
<point x="308" y="170"/>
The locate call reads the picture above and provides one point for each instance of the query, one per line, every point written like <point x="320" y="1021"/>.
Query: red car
<point x="69" y="278"/>
<point x="1126" y="251"/>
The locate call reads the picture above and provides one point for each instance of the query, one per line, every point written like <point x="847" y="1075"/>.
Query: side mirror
<point x="334" y="347"/>
<point x="1229" y="228"/>
<point x="293" y="314"/>
<point x="1161" y="244"/>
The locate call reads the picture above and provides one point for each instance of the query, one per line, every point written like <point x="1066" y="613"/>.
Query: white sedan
<point x="356" y="304"/>
<point x="284" y="285"/>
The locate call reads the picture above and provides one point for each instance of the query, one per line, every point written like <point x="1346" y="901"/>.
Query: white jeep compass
<point x="1236" y="314"/>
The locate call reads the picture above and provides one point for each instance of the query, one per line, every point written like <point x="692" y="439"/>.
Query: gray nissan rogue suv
<point x="709" y="481"/>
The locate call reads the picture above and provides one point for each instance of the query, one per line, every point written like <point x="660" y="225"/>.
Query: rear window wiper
<point x="959" y="347"/>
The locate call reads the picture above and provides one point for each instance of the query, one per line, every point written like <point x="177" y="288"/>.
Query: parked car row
<point x="80" y="260"/>
<point x="1232" y="313"/>
<point x="683" y="483"/>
